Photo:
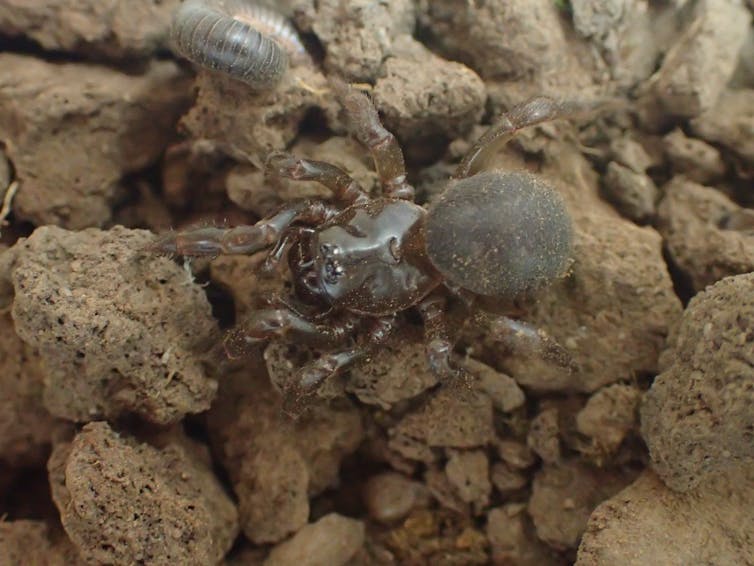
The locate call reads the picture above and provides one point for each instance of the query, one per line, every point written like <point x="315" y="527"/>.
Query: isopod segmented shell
<point x="246" y="41"/>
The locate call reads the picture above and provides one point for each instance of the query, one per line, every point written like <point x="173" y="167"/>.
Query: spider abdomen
<point x="499" y="233"/>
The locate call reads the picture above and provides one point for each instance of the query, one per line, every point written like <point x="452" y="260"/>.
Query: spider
<point x="360" y="261"/>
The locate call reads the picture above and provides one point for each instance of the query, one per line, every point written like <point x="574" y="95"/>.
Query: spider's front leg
<point x="385" y="149"/>
<point x="343" y="186"/>
<point x="212" y="241"/>
<point x="284" y="322"/>
<point x="311" y="376"/>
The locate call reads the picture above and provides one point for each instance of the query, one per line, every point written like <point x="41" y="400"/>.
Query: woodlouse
<point x="242" y="39"/>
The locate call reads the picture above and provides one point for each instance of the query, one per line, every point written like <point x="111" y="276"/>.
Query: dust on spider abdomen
<point x="500" y="233"/>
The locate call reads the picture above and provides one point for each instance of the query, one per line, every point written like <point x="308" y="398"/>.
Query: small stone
<point x="693" y="158"/>
<point x="331" y="541"/>
<point x="468" y="472"/>
<point x="544" y="435"/>
<point x="390" y="496"/>
<point x="634" y="194"/>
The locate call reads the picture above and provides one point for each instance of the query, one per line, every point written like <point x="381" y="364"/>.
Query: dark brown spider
<point x="356" y="266"/>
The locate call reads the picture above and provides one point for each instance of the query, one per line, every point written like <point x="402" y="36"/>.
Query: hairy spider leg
<point x="438" y="344"/>
<point x="523" y="338"/>
<point x="343" y="186"/>
<point x="285" y="323"/>
<point x="385" y="149"/>
<point x="535" y="111"/>
<point x="213" y="241"/>
<point x="310" y="377"/>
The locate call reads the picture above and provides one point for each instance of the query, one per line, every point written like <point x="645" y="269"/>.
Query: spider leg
<point x="213" y="241"/>
<point x="311" y="376"/>
<point x="535" y="111"/>
<point x="439" y="346"/>
<point x="527" y="340"/>
<point x="385" y="150"/>
<point x="344" y="187"/>
<point x="285" y="323"/>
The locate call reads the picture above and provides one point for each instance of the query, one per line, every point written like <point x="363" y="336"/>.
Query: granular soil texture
<point x="127" y="434"/>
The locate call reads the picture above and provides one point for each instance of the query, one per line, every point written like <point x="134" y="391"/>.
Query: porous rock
<point x="118" y="329"/>
<point x="534" y="42"/>
<point x="454" y="417"/>
<point x="647" y="523"/>
<point x="119" y="29"/>
<point x="618" y="291"/>
<point x="544" y="435"/>
<point x="331" y="541"/>
<point x="512" y="538"/>
<point x="634" y="194"/>
<point x="697" y="68"/>
<point x="26" y="428"/>
<point x="122" y="501"/>
<point x="357" y="35"/>
<point x="468" y="472"/>
<point x="609" y="415"/>
<point x="73" y="130"/>
<point x="248" y="125"/>
<point x="692" y="220"/>
<point x="563" y="497"/>
<point x="629" y="34"/>
<point x="33" y="542"/>
<point x="421" y="95"/>
<point x="397" y="371"/>
<point x="729" y="123"/>
<point x="275" y="463"/>
<point x="697" y="417"/>
<point x="693" y="158"/>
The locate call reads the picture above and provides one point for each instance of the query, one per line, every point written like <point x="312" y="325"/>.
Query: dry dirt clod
<point x="34" y="542"/>
<point x="225" y="107"/>
<point x="699" y="65"/>
<point x="73" y="130"/>
<point x="118" y="330"/>
<point x="357" y="35"/>
<point x="398" y="371"/>
<point x="421" y="95"/>
<point x="454" y="417"/>
<point x="124" y="502"/>
<point x="120" y="29"/>
<point x="729" y="123"/>
<point x="647" y="523"/>
<point x="634" y="194"/>
<point x="544" y="435"/>
<point x="468" y="472"/>
<point x="692" y="220"/>
<point x="275" y="464"/>
<point x="563" y="497"/>
<point x="609" y="415"/>
<point x="697" y="417"/>
<point x="513" y="540"/>
<point x="26" y="428"/>
<point x="693" y="158"/>
<point x="331" y="541"/>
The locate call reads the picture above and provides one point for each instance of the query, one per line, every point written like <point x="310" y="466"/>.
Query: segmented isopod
<point x="246" y="41"/>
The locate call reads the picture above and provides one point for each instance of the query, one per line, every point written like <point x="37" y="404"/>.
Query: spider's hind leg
<point x="385" y="149"/>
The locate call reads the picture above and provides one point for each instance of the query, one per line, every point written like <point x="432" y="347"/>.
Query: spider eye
<point x="333" y="271"/>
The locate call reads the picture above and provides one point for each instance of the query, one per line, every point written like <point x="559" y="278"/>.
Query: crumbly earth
<point x="127" y="434"/>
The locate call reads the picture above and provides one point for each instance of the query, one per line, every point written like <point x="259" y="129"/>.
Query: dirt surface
<point x="128" y="436"/>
